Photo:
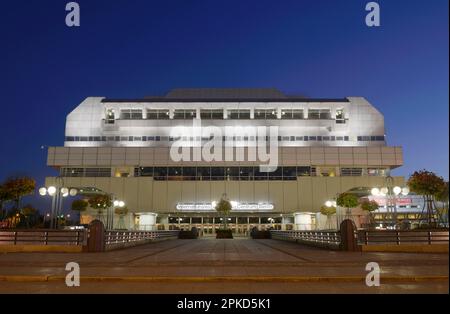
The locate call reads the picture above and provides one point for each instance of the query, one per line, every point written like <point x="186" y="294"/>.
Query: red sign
<point x="399" y="201"/>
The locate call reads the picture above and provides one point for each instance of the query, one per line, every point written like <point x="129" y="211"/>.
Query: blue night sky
<point x="133" y="48"/>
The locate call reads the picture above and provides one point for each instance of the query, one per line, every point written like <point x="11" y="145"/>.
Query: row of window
<point x="261" y="114"/>
<point x="222" y="173"/>
<point x="305" y="138"/>
<point x="230" y="220"/>
<point x="370" y="138"/>
<point x="85" y="172"/>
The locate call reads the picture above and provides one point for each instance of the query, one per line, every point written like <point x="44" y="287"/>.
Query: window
<point x="260" y="175"/>
<point x="110" y="116"/>
<point x="319" y="114"/>
<point x="242" y="220"/>
<point x="160" y="173"/>
<point x="262" y="114"/>
<point x="217" y="173"/>
<point x="143" y="172"/>
<point x="340" y="118"/>
<point x="207" y="114"/>
<point x="203" y="173"/>
<point x="231" y="173"/>
<point x="174" y="172"/>
<point x="246" y="173"/>
<point x="287" y="114"/>
<point x="157" y="114"/>
<point x="327" y="172"/>
<point x="277" y="174"/>
<point x="184" y="114"/>
<point x="370" y="138"/>
<point x="289" y="173"/>
<point x="351" y="172"/>
<point x="303" y="171"/>
<point x="131" y="114"/>
<point x="239" y="114"/>
<point x="376" y="172"/>
<point x="85" y="172"/>
<point x="189" y="173"/>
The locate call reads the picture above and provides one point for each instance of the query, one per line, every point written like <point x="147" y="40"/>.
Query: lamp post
<point x="390" y="193"/>
<point x="110" y="213"/>
<point x="332" y="203"/>
<point x="58" y="193"/>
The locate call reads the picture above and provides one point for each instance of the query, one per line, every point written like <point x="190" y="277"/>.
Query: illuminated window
<point x="239" y="114"/>
<point x="208" y="114"/>
<point x="268" y="114"/>
<point x="319" y="114"/>
<point x="131" y="114"/>
<point x="157" y="114"/>
<point x="340" y="118"/>
<point x="290" y="114"/>
<point x="110" y="116"/>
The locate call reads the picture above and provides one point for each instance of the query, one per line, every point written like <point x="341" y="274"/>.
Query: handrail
<point x="43" y="236"/>
<point x="402" y="237"/>
<point x="116" y="236"/>
<point x="322" y="237"/>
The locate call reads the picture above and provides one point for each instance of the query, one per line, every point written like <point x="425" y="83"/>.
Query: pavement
<point x="238" y="265"/>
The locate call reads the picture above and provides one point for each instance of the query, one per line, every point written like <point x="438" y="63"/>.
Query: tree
<point x="348" y="201"/>
<point x="224" y="208"/>
<point x="443" y="197"/>
<point x="18" y="188"/>
<point x="369" y="206"/>
<point x="429" y="185"/>
<point x="5" y="196"/>
<point x="79" y="206"/>
<point x="328" y="211"/>
<point x="100" y="202"/>
<point x="30" y="213"/>
<point x="121" y="211"/>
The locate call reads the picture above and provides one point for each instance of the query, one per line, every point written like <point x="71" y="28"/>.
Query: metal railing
<point x="119" y="237"/>
<point x="314" y="237"/>
<point x="402" y="237"/>
<point x="43" y="237"/>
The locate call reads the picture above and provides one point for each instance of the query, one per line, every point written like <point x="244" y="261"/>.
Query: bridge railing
<point x="43" y="237"/>
<point x="330" y="239"/>
<point x="117" y="237"/>
<point x="402" y="237"/>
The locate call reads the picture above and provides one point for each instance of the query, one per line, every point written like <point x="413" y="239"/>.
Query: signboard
<point x="235" y="206"/>
<point x="399" y="201"/>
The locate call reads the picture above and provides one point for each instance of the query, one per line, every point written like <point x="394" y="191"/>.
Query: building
<point x="123" y="147"/>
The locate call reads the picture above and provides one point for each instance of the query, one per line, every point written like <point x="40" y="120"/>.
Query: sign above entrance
<point x="235" y="206"/>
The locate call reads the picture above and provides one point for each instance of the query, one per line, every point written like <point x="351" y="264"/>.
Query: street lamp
<point x="390" y="192"/>
<point x="332" y="203"/>
<point x="57" y="194"/>
<point x="110" y="213"/>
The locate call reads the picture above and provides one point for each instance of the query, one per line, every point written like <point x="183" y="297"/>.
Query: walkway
<point x="218" y="266"/>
